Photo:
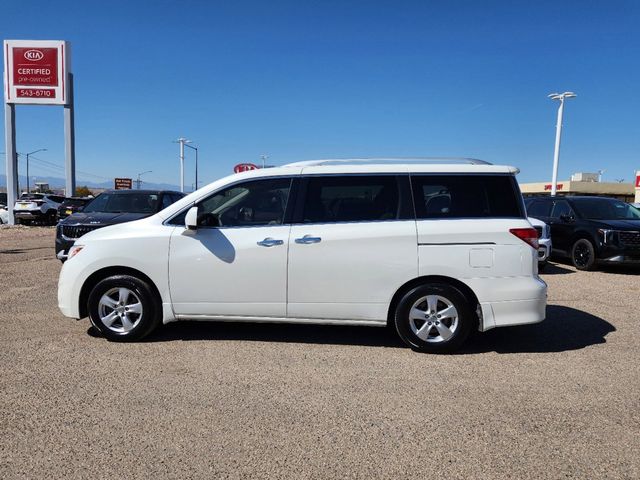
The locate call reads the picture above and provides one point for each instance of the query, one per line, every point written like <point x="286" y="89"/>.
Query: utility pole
<point x="556" y="154"/>
<point x="138" y="181"/>
<point x="182" y="141"/>
<point x="27" y="155"/>
<point x="264" y="160"/>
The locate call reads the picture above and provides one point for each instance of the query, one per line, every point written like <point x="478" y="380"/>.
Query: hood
<point x="619" y="224"/>
<point x="102" y="218"/>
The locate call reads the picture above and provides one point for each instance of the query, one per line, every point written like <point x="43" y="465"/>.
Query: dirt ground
<point x="203" y="400"/>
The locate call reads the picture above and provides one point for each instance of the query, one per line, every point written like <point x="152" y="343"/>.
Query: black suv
<point x="109" y="208"/>
<point x="590" y="230"/>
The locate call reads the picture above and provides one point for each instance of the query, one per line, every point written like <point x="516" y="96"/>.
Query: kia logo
<point x="33" y="55"/>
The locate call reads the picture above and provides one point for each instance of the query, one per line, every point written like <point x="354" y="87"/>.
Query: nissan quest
<point x="434" y="248"/>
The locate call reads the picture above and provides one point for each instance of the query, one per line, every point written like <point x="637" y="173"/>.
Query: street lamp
<point x="556" y="153"/>
<point x="138" y="181"/>
<point x="182" y="141"/>
<point x="27" y="155"/>
<point x="196" y="149"/>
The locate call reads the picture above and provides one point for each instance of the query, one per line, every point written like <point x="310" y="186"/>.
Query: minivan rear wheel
<point x="434" y="318"/>
<point x="123" y="308"/>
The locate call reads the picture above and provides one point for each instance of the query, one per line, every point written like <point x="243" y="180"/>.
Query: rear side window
<point x="539" y="208"/>
<point x="466" y="196"/>
<point x="355" y="198"/>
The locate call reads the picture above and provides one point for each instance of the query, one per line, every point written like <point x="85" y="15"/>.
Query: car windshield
<point x="606" y="209"/>
<point x="113" y="202"/>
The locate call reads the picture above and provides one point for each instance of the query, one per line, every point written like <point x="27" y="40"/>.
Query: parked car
<point x="37" y="207"/>
<point x="110" y="208"/>
<point x="4" y="216"/>
<point x="544" y="242"/>
<point x="72" y="205"/>
<point x="590" y="230"/>
<point x="321" y="242"/>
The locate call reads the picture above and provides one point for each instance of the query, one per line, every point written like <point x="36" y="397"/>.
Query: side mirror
<point x="191" y="218"/>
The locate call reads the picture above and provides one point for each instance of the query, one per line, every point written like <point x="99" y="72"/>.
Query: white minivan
<point x="435" y="249"/>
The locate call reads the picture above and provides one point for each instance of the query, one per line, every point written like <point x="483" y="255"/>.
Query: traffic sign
<point x="123" y="183"/>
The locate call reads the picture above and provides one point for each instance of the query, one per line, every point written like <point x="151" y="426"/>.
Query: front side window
<point x="255" y="203"/>
<point x="354" y="198"/>
<point x="561" y="208"/>
<point x="465" y="196"/>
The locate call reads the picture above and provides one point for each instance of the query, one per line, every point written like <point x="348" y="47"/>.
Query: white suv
<point x="436" y="250"/>
<point x="37" y="207"/>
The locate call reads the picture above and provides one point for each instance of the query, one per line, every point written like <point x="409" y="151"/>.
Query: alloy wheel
<point x="433" y="319"/>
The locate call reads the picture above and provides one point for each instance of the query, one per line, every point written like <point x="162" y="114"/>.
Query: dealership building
<point x="585" y="184"/>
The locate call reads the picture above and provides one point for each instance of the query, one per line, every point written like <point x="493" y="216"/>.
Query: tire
<point x="117" y="321"/>
<point x="583" y="254"/>
<point x="444" y="334"/>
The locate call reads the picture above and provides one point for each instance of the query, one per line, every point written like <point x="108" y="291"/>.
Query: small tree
<point x="83" y="191"/>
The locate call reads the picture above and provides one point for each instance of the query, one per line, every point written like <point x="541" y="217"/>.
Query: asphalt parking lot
<point x="202" y="400"/>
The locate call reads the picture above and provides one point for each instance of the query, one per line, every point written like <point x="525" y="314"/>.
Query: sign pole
<point x="69" y="142"/>
<point x="11" y="158"/>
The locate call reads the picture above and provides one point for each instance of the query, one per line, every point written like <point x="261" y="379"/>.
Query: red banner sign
<point x="637" y="181"/>
<point x="35" y="66"/>
<point x="36" y="72"/>
<point x="244" y="167"/>
<point x="548" y="186"/>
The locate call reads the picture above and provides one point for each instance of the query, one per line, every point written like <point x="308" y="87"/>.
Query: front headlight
<point x="73" y="251"/>
<point x="607" y="236"/>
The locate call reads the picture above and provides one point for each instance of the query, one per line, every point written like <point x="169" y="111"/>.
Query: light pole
<point x="264" y="160"/>
<point x="27" y="155"/>
<point x="196" y="149"/>
<point x="182" y="141"/>
<point x="138" y="181"/>
<point x="556" y="153"/>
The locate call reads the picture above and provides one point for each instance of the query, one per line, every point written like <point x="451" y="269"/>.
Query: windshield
<point x="123" y="203"/>
<point x="606" y="209"/>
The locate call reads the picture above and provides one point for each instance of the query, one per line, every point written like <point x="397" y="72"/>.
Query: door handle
<point x="270" y="242"/>
<point x="308" y="239"/>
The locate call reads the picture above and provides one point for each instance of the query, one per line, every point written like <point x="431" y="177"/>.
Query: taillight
<point x="528" y="235"/>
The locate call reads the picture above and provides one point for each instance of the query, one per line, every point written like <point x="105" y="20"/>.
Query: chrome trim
<point x="307" y="239"/>
<point x="270" y="242"/>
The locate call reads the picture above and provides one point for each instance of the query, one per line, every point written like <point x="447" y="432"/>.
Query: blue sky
<point x="301" y="80"/>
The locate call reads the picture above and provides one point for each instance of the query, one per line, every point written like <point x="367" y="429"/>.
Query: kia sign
<point x="35" y="72"/>
<point x="244" y="167"/>
<point x="123" y="183"/>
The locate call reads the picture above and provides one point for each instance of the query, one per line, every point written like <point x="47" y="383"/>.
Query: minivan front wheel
<point x="583" y="254"/>
<point x="434" y="318"/>
<point x="123" y="308"/>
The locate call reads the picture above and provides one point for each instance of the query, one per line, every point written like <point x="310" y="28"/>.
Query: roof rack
<point x="392" y="160"/>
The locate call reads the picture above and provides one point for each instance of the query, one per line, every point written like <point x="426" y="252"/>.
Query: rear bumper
<point x="28" y="214"/>
<point x="528" y="304"/>
<point x="544" y="249"/>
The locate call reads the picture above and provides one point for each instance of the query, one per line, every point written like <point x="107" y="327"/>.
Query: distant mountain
<point x="57" y="182"/>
